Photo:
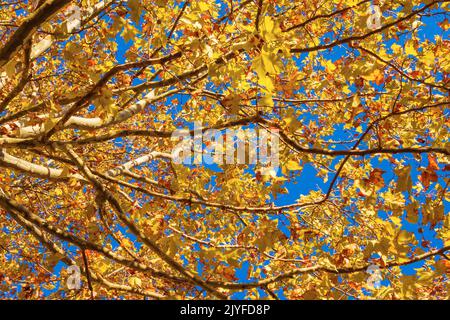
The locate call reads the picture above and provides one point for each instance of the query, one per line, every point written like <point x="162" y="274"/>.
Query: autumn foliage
<point x="87" y="178"/>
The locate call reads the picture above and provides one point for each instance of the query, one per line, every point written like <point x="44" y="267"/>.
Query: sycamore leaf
<point x="270" y="29"/>
<point x="376" y="76"/>
<point x="129" y="32"/>
<point x="135" y="10"/>
<point x="135" y="282"/>
<point x="410" y="48"/>
<point x="293" y="165"/>
<point x="404" y="182"/>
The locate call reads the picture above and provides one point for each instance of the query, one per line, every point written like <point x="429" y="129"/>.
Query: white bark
<point x="89" y="123"/>
<point x="137" y="162"/>
<point x="9" y="161"/>
<point x="40" y="47"/>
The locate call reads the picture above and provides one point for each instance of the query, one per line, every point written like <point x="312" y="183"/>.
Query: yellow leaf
<point x="376" y="76"/>
<point x="405" y="237"/>
<point x="397" y="221"/>
<point x="429" y="58"/>
<point x="329" y="66"/>
<point x="293" y="165"/>
<point x="410" y="49"/>
<point x="135" y="10"/>
<point x="266" y="101"/>
<point x="129" y="32"/>
<point x="135" y="282"/>
<point x="396" y="48"/>
<point x="269" y="29"/>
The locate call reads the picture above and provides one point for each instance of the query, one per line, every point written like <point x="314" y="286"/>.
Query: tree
<point x="356" y="91"/>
